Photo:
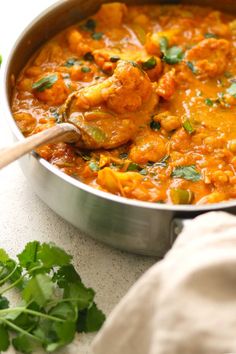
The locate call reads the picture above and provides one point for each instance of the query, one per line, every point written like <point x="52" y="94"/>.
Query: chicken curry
<point x="154" y="87"/>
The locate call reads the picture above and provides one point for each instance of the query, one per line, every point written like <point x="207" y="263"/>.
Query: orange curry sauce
<point x="172" y="92"/>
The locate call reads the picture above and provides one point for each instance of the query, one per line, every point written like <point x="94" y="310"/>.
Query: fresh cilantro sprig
<point x="54" y="303"/>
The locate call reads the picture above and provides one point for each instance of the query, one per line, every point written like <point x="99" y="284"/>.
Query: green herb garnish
<point x="149" y="64"/>
<point x="94" y="166"/>
<point x="155" y="125"/>
<point x="187" y="172"/>
<point x="143" y="172"/>
<point x="85" y="69"/>
<point x="114" y="58"/>
<point x="97" y="35"/>
<point x="45" y="83"/>
<point x="209" y="102"/>
<point x="173" y="55"/>
<point x="232" y="90"/>
<point x="0" y="59"/>
<point x="123" y="155"/>
<point x="89" y="56"/>
<point x="188" y="126"/>
<point x="70" y="62"/>
<point x="133" y="167"/>
<point x="192" y="67"/>
<point x="90" y="25"/>
<point x="210" y="35"/>
<point x="54" y="303"/>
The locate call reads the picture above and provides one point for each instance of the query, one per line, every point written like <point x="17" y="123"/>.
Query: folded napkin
<point x="186" y="303"/>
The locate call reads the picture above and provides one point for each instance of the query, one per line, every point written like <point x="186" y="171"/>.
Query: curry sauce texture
<point x="154" y="87"/>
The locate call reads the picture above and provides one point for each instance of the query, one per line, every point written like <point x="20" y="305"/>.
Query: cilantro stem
<point x="20" y="330"/>
<point x="31" y="312"/>
<point x="20" y="279"/>
<point x="2" y="281"/>
<point x="12" y="285"/>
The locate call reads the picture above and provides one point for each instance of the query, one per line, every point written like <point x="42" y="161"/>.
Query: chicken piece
<point x="148" y="147"/>
<point x="53" y="93"/>
<point x="210" y="57"/>
<point x="112" y="14"/>
<point x="108" y="111"/>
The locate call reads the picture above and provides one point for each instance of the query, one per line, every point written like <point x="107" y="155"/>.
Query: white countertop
<point x="24" y="217"/>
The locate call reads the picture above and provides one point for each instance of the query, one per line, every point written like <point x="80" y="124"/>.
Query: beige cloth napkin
<point x="186" y="303"/>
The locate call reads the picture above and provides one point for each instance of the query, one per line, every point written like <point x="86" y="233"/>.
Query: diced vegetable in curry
<point x="155" y="88"/>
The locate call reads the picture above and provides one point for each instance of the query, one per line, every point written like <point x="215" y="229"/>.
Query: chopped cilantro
<point x="97" y="35"/>
<point x="88" y="56"/>
<point x="133" y="167"/>
<point x="85" y="69"/>
<point x="210" y="35"/>
<point x="188" y="126"/>
<point x="70" y="62"/>
<point x="90" y="25"/>
<point x="45" y="83"/>
<point x="209" y="102"/>
<point x="114" y="58"/>
<point x="192" y="67"/>
<point x="149" y="64"/>
<point x="172" y="55"/>
<point x="123" y="155"/>
<point x="93" y="165"/>
<point x="155" y="125"/>
<point x="186" y="172"/>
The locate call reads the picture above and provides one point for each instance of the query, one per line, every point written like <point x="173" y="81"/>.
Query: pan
<point x="135" y="226"/>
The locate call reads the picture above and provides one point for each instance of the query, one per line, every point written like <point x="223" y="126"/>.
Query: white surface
<point x="23" y="217"/>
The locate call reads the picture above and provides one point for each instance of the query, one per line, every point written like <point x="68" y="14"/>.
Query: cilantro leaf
<point x="90" y="320"/>
<point x="66" y="274"/>
<point x="38" y="289"/>
<point x="188" y="126"/>
<point x="90" y="25"/>
<point x="63" y="310"/>
<point x="28" y="257"/>
<point x="4" y="338"/>
<point x="4" y="303"/>
<point x="51" y="255"/>
<point x="45" y="83"/>
<point x="187" y="172"/>
<point x="3" y="256"/>
<point x="24" y="344"/>
<point x="82" y="296"/>
<point x="149" y="64"/>
<point x="65" y="333"/>
<point x="97" y="35"/>
<point x="172" y="55"/>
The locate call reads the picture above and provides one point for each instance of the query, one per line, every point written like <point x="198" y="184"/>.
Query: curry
<point x="155" y="87"/>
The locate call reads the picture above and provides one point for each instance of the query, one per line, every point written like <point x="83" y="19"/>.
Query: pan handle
<point x="176" y="226"/>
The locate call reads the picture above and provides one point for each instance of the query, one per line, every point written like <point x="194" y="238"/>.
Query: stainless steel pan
<point x="131" y="225"/>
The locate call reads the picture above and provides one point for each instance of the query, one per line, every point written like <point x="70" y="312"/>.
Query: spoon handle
<point x="62" y="132"/>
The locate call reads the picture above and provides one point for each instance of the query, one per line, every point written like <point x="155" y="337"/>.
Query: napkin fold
<point x="186" y="303"/>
